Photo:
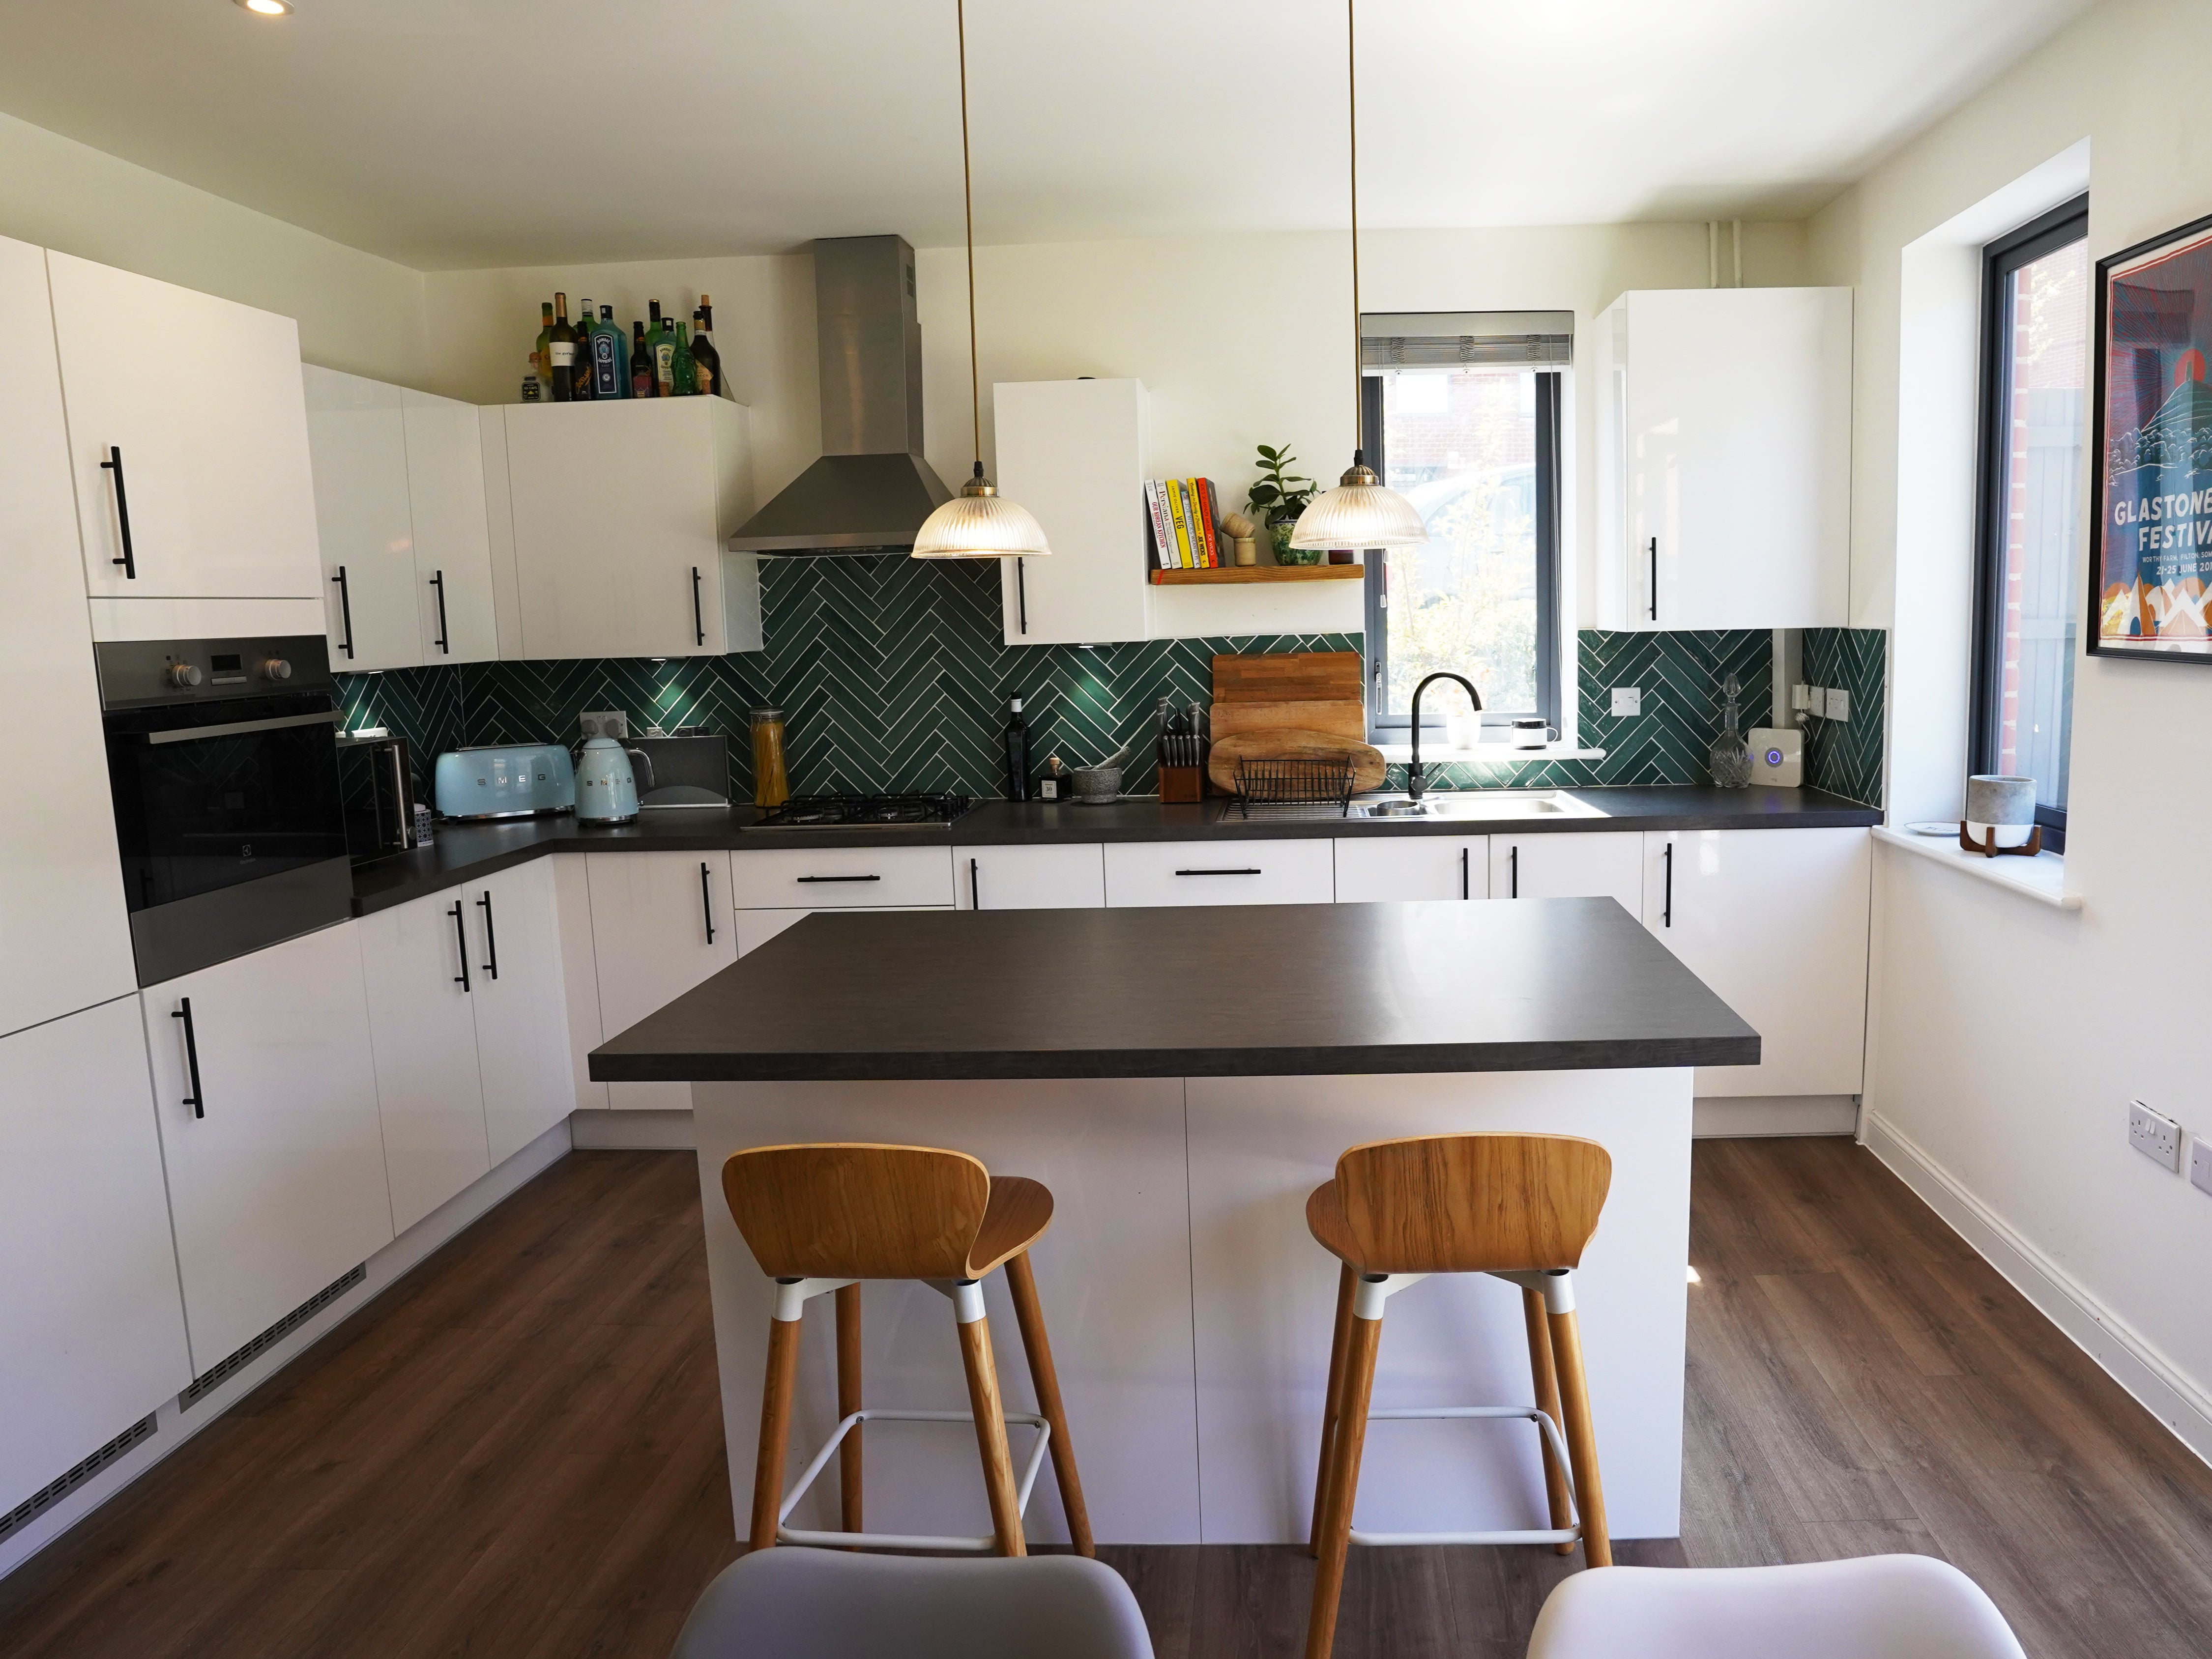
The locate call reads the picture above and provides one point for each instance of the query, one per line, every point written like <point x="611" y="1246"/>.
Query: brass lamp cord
<point x="1352" y="104"/>
<point x="968" y="194"/>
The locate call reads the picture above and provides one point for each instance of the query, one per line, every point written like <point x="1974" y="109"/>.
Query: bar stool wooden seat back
<point x="821" y="1219"/>
<point x="1518" y="1207"/>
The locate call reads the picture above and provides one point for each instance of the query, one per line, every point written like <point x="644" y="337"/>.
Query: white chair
<point x="1875" y="1606"/>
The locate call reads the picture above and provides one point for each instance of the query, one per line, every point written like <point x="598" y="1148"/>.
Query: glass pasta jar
<point x="771" y="772"/>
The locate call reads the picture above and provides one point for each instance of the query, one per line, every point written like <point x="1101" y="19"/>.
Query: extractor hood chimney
<point x="871" y="490"/>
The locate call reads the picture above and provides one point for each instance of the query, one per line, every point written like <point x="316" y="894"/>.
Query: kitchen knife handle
<point x="461" y="934"/>
<point x="129" y="560"/>
<point x="184" y="1011"/>
<point x="491" y="940"/>
<point x="707" y="899"/>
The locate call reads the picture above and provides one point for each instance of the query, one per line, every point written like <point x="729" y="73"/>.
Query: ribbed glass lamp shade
<point x="980" y="524"/>
<point x="1359" y="512"/>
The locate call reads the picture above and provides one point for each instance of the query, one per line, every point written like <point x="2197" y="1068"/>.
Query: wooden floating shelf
<point x="1171" y="578"/>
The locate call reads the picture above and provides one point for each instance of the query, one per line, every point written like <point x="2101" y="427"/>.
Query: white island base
<point x="1190" y="1310"/>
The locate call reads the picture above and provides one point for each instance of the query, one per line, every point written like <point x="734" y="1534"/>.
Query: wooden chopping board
<point x="1302" y="677"/>
<point x="1285" y="743"/>
<point x="1339" y="719"/>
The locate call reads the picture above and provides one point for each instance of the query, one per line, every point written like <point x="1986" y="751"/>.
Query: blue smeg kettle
<point x="606" y="787"/>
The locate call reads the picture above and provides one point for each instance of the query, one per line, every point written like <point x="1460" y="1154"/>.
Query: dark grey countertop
<point x="464" y="851"/>
<point x="1544" y="984"/>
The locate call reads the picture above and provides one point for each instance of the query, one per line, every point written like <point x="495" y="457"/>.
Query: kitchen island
<point x="1182" y="1079"/>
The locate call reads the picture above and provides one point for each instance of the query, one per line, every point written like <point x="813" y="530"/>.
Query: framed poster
<point x="2151" y="557"/>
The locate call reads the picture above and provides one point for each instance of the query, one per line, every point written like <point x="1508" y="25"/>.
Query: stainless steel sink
<point x="1477" y="804"/>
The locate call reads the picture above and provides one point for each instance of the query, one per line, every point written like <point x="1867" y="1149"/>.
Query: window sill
<point x="1486" y="754"/>
<point x="2042" y="878"/>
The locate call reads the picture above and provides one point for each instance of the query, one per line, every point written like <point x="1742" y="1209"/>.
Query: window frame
<point x="1384" y="726"/>
<point x="2061" y="227"/>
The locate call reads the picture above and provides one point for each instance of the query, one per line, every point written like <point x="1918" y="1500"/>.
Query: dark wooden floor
<point x="518" y="1453"/>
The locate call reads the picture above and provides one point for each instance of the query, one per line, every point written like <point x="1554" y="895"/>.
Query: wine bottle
<point x="705" y="361"/>
<point x="560" y="346"/>
<point x="540" y="352"/>
<point x="582" y="388"/>
<point x="640" y="363"/>
<point x="683" y="368"/>
<point x="1018" y="753"/>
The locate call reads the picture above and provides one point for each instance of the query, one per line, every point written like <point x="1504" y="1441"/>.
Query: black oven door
<point x="231" y="824"/>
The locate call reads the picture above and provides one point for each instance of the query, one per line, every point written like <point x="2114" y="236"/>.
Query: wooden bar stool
<point x="820" y="1218"/>
<point x="1518" y="1207"/>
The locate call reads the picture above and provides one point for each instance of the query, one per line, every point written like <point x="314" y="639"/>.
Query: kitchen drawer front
<point x="1220" y="873"/>
<point x="841" y="878"/>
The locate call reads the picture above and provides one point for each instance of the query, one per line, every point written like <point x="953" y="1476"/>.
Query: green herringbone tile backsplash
<point x="1846" y="760"/>
<point x="893" y="676"/>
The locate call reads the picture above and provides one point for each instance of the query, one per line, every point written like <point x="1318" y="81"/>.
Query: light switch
<point x="1627" y="699"/>
<point x="1840" y="706"/>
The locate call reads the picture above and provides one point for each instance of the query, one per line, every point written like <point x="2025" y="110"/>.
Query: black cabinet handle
<point x="975" y="883"/>
<point x="345" y="611"/>
<point x="1513" y="872"/>
<point x="438" y="581"/>
<point x="837" y="878"/>
<point x="460" y="934"/>
<point x="698" y="611"/>
<point x="706" y="900"/>
<point x="1248" y="871"/>
<point x="129" y="561"/>
<point x="184" y="1011"/>
<point x="1667" y="900"/>
<point x="1465" y="886"/>
<point x="1021" y="598"/>
<point x="1655" y="578"/>
<point x="491" y="940"/>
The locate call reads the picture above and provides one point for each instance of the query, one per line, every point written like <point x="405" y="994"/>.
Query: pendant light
<point x="1359" y="512"/>
<point x="979" y="523"/>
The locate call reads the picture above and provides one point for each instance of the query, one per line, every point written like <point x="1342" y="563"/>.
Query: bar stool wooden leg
<point x="1029" y="1313"/>
<point x="1347" y="1283"/>
<point x="848" y="1401"/>
<point x="1547" y="1402"/>
<point x="775" y="1428"/>
<point x="991" y="1429"/>
<point x="1349" y="1440"/>
<point x="1581" y="1437"/>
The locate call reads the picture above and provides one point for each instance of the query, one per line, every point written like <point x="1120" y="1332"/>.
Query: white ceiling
<point x="449" y="134"/>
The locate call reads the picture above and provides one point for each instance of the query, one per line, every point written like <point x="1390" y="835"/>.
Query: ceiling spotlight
<point x="267" y="8"/>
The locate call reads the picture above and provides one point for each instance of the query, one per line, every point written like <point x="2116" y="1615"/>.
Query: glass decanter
<point x="1730" y="758"/>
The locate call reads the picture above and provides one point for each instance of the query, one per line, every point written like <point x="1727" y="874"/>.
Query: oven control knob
<point x="276" y="669"/>
<point x="183" y="675"/>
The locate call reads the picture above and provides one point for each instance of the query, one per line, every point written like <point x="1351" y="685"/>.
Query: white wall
<point x="355" y="311"/>
<point x="2006" y="1038"/>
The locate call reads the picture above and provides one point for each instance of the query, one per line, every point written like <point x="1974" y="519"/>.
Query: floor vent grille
<point x="208" y="1381"/>
<point x="52" y="1493"/>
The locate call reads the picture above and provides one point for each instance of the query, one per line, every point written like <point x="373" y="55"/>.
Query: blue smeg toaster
<point x="505" y="780"/>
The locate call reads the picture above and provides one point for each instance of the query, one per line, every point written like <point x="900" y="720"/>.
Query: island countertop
<point x="1212" y="991"/>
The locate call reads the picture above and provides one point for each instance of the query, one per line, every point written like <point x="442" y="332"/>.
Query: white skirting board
<point x="637" y="1128"/>
<point x="1719" y="1117"/>
<point x="2159" y="1386"/>
<point x="174" y="1425"/>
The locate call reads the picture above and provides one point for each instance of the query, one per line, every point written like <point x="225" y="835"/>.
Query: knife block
<point x="1182" y="784"/>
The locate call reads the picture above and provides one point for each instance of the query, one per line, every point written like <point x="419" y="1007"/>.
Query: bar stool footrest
<point x="834" y="1540"/>
<point x="1546" y="1426"/>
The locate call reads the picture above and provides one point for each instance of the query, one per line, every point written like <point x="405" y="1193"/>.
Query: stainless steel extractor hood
<point x="871" y="490"/>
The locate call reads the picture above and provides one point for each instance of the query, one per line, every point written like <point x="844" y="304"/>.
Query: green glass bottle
<point x="683" y="371"/>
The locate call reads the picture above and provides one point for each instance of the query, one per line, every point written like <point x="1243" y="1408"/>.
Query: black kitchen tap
<point x="1414" y="783"/>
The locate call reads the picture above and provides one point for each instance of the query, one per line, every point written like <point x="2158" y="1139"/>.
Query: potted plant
<point x="1278" y="497"/>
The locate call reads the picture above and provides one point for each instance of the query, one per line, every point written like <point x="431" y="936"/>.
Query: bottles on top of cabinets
<point x="705" y="359"/>
<point x="561" y="353"/>
<point x="592" y="360"/>
<point x="640" y="362"/>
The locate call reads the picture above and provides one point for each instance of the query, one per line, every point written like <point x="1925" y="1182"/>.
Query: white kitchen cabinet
<point x="1369" y="867"/>
<point x="833" y="877"/>
<point x="277" y="1180"/>
<point x="1223" y="872"/>
<point x="357" y="438"/>
<point x="1030" y="877"/>
<point x="415" y="958"/>
<point x="1076" y="453"/>
<point x="92" y="1333"/>
<point x="64" y="932"/>
<point x="519" y="978"/>
<point x="202" y="396"/>
<point x="1724" y="452"/>
<point x="1775" y="921"/>
<point x="662" y="923"/>
<point x="453" y="539"/>
<point x="757" y="927"/>
<point x="619" y="512"/>
<point x="1598" y="864"/>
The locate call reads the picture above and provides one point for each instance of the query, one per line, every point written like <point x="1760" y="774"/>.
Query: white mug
<point x="1532" y="734"/>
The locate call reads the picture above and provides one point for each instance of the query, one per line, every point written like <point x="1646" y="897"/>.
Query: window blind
<point x="1467" y="339"/>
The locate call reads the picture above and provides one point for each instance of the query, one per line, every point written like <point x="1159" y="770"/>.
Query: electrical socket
<point x="2155" y="1135"/>
<point x="1627" y="699"/>
<point x="1840" y="706"/>
<point x="603" y="722"/>
<point x="2200" y="1163"/>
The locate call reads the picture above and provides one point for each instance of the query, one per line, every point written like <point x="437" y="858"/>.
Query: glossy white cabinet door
<point x="757" y="927"/>
<point x="1775" y="921"/>
<point x="92" y="1333"/>
<point x="1076" y="453"/>
<point x="279" y="1188"/>
<point x="1371" y="867"/>
<point x="422" y="1018"/>
<point x="620" y="513"/>
<point x="833" y="877"/>
<point x="357" y="438"/>
<point x="453" y="539"/>
<point x="1030" y="878"/>
<point x="521" y="1004"/>
<point x="202" y="397"/>
<point x="662" y="923"/>
<point x="1220" y="873"/>
<point x="64" y="934"/>
<point x="1599" y="864"/>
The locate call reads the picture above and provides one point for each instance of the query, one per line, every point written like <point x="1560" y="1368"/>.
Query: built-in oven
<point x="222" y="759"/>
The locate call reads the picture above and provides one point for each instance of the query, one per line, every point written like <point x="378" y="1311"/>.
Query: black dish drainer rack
<point x="1294" y="784"/>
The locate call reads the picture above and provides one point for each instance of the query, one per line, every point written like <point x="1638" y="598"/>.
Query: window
<point x="2035" y="360"/>
<point x="1460" y="414"/>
